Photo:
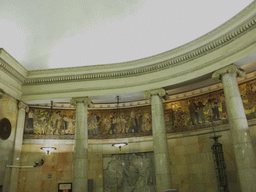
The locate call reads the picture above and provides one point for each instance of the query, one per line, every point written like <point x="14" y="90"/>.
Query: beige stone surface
<point x="23" y="108"/>
<point x="188" y="171"/>
<point x="161" y="153"/>
<point x="243" y="147"/>
<point x="9" y="110"/>
<point x="80" y="162"/>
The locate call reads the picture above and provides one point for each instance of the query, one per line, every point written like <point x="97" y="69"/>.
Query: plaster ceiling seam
<point x="155" y="67"/>
<point x="155" y="80"/>
<point x="249" y="10"/>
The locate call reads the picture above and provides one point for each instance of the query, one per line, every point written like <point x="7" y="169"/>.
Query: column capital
<point x="76" y="100"/>
<point x="228" y="69"/>
<point x="1" y="93"/>
<point x="161" y="92"/>
<point x="23" y="105"/>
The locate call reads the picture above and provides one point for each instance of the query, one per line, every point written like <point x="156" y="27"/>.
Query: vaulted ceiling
<point x="55" y="34"/>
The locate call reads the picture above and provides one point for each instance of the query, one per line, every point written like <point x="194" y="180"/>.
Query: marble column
<point x="161" y="158"/>
<point x="243" y="147"/>
<point x="23" y="108"/>
<point x="80" y="167"/>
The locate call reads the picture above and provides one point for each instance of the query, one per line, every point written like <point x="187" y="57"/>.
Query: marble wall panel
<point x="191" y="170"/>
<point x="57" y="168"/>
<point x="192" y="166"/>
<point x="129" y="172"/>
<point x="9" y="110"/>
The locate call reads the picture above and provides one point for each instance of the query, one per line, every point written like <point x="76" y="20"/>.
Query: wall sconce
<point x="37" y="163"/>
<point x="48" y="150"/>
<point x="119" y="145"/>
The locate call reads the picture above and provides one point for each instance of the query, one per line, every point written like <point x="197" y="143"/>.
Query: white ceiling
<point x="64" y="33"/>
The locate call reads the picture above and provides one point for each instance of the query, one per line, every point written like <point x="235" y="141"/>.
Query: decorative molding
<point x="76" y="100"/>
<point x="23" y="105"/>
<point x="96" y="106"/>
<point x="5" y="54"/>
<point x="178" y="60"/>
<point x="228" y="69"/>
<point x="161" y="92"/>
<point x="159" y="79"/>
<point x="11" y="71"/>
<point x="209" y="89"/>
<point x="168" y="98"/>
<point x="238" y="19"/>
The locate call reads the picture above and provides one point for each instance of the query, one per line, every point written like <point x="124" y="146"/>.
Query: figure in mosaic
<point x="30" y="119"/>
<point x="209" y="107"/>
<point x="249" y="99"/>
<point x="193" y="112"/>
<point x="147" y="122"/>
<point x="123" y="124"/>
<point x="201" y="111"/>
<point x="133" y="127"/>
<point x="70" y="124"/>
<point x="172" y="115"/>
<point x="93" y="124"/>
<point x="223" y="106"/>
<point x="56" y="123"/>
<point x="181" y="117"/>
<point x="105" y="125"/>
<point x="139" y="116"/>
<point x="215" y="110"/>
<point x="112" y="123"/>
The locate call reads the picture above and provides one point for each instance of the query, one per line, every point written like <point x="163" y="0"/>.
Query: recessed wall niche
<point x="5" y="128"/>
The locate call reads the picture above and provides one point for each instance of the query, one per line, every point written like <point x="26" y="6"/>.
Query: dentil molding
<point x="201" y="51"/>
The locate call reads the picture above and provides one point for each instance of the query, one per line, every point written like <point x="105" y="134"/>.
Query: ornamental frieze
<point x="192" y="55"/>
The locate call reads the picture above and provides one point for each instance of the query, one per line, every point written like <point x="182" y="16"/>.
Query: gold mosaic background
<point x="179" y="116"/>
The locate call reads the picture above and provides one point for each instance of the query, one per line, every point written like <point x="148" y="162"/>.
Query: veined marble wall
<point x="57" y="168"/>
<point x="132" y="172"/>
<point x="9" y="110"/>
<point x="191" y="160"/>
<point x="183" y="115"/>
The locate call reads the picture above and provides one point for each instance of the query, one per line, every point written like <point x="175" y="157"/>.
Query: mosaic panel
<point x="188" y="114"/>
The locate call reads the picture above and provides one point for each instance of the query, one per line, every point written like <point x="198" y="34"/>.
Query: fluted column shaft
<point x="80" y="168"/>
<point x="243" y="147"/>
<point x="161" y="157"/>
<point x="23" y="108"/>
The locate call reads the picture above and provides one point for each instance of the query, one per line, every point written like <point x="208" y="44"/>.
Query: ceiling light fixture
<point x="48" y="150"/>
<point x="119" y="145"/>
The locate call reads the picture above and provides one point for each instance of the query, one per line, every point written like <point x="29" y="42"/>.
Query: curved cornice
<point x="146" y="102"/>
<point x="178" y="60"/>
<point x="228" y="26"/>
<point x="4" y="66"/>
<point x="227" y="44"/>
